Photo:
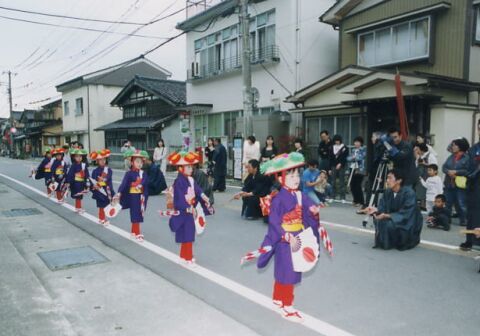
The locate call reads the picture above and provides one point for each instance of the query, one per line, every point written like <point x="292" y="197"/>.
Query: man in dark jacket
<point x="401" y="154"/>
<point x="378" y="154"/>
<point x="324" y="151"/>
<point x="398" y="221"/>
<point x="473" y="193"/>
<point x="220" y="166"/>
<point x="156" y="180"/>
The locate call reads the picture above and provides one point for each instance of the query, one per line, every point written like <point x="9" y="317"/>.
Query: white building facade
<point x="289" y="50"/>
<point x="86" y="100"/>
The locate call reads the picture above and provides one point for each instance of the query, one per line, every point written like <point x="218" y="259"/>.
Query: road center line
<point x="310" y="322"/>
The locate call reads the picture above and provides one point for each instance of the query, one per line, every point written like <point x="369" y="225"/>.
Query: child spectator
<point x="433" y="184"/>
<point x="439" y="217"/>
<point x="323" y="189"/>
<point x="309" y="180"/>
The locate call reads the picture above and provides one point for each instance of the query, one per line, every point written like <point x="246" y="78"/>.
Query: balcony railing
<point x="269" y="54"/>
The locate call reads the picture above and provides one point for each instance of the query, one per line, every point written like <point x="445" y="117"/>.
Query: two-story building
<point x="86" y="99"/>
<point x="52" y="130"/>
<point x="289" y="50"/>
<point x="150" y="109"/>
<point x="435" y="47"/>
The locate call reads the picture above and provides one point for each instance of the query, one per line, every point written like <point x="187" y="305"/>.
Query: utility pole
<point x="11" y="121"/>
<point x="244" y="19"/>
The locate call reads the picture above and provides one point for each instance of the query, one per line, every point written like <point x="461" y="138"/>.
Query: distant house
<point x="150" y="109"/>
<point x="435" y="47"/>
<point x="86" y="99"/>
<point x="26" y="132"/>
<point x="52" y="130"/>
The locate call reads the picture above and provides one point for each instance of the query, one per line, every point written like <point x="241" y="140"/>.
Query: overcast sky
<point x="59" y="54"/>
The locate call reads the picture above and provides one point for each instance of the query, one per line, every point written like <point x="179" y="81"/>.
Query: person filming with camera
<point x="400" y="153"/>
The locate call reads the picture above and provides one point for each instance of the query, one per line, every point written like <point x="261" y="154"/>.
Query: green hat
<point x="282" y="162"/>
<point x="76" y="151"/>
<point x="47" y="150"/>
<point x="136" y="153"/>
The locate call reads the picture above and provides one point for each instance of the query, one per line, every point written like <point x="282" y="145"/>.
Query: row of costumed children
<point x="294" y="230"/>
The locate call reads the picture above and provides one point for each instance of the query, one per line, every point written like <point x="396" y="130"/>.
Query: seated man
<point x="255" y="186"/>
<point x="156" y="180"/>
<point x="398" y="221"/>
<point x="202" y="180"/>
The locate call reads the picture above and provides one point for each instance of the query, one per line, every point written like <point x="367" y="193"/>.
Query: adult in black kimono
<point x="203" y="182"/>
<point x="220" y="168"/>
<point x="255" y="186"/>
<point x="398" y="221"/>
<point x="156" y="179"/>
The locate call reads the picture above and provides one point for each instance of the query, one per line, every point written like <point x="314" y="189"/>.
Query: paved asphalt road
<point x="430" y="290"/>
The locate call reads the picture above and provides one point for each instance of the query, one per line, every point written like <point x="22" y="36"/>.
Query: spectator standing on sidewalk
<point x="456" y="169"/>
<point x="220" y="166"/>
<point x="298" y="144"/>
<point x="160" y="155"/>
<point x="401" y="154"/>
<point x="127" y="146"/>
<point x="269" y="151"/>
<point x="433" y="185"/>
<point x="338" y="162"/>
<point x="473" y="193"/>
<point x="325" y="151"/>
<point x="251" y="151"/>
<point x="357" y="169"/>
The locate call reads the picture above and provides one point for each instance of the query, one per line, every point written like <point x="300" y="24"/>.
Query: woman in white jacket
<point x="251" y="151"/>
<point x="160" y="155"/>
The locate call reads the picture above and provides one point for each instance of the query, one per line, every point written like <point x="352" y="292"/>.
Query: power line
<point x="70" y="17"/>
<point x="80" y="28"/>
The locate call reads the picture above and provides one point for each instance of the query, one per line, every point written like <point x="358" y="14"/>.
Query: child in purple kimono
<point x="59" y="169"/>
<point x="186" y="195"/>
<point x="102" y="186"/>
<point x="133" y="191"/>
<point x="78" y="178"/>
<point x="44" y="170"/>
<point x="291" y="212"/>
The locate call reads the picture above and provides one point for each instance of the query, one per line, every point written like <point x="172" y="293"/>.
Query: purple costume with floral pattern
<point x="283" y="203"/>
<point x="184" y="225"/>
<point x="130" y="197"/>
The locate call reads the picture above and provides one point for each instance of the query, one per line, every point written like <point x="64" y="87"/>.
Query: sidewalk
<point x="117" y="297"/>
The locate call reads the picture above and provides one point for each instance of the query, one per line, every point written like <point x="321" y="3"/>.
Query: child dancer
<point x="291" y="212"/>
<point x="78" y="178"/>
<point x="102" y="186"/>
<point x="186" y="195"/>
<point x="59" y="169"/>
<point x="133" y="192"/>
<point x="44" y="169"/>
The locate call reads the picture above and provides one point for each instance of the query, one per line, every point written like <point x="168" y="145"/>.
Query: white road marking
<point x="310" y="322"/>
<point x="372" y="232"/>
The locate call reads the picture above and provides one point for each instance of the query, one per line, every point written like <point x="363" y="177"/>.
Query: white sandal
<point x="291" y="314"/>
<point x="140" y="238"/>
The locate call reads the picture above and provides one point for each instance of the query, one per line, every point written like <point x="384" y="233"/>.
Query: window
<point x="134" y="111"/>
<point x="262" y="36"/>
<point x="220" y="51"/>
<point x="399" y="43"/>
<point x="348" y="126"/>
<point x="66" y="108"/>
<point x="78" y="106"/>
<point x="52" y="140"/>
<point x="114" y="140"/>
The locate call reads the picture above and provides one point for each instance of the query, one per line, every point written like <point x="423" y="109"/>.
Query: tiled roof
<point x="145" y="123"/>
<point x="173" y="92"/>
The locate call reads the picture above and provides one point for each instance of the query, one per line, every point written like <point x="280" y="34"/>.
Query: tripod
<point x="378" y="183"/>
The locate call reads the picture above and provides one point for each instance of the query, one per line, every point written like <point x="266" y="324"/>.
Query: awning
<point x="142" y="123"/>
